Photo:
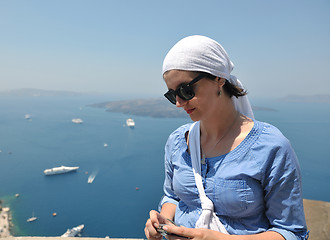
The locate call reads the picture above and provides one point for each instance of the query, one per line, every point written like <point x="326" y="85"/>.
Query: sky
<point x="278" y="47"/>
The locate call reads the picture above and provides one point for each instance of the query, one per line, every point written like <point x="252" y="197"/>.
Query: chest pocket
<point x="231" y="197"/>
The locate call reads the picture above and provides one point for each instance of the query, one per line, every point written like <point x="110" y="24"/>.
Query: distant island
<point x="157" y="107"/>
<point x="32" y="92"/>
<point x="318" y="98"/>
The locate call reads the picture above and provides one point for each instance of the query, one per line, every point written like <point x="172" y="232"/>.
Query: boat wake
<point x="92" y="177"/>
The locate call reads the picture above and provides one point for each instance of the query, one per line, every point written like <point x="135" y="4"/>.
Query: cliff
<point x="318" y="219"/>
<point x="158" y="107"/>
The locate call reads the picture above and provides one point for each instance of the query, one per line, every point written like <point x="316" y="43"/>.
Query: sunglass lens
<point x="171" y="97"/>
<point x="186" y="93"/>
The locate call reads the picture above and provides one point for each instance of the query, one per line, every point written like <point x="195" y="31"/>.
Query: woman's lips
<point x="189" y="111"/>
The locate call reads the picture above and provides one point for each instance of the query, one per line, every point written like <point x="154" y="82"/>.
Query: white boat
<point x="59" y="170"/>
<point x="32" y="219"/>
<point x="73" y="231"/>
<point x="77" y="120"/>
<point x="91" y="178"/>
<point x="27" y="116"/>
<point x="106" y="145"/>
<point x="130" y="123"/>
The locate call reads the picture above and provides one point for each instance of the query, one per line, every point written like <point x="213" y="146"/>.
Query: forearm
<point x="269" y="235"/>
<point x="207" y="234"/>
<point x="168" y="210"/>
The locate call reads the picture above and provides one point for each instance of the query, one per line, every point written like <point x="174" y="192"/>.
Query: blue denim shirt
<point x="254" y="188"/>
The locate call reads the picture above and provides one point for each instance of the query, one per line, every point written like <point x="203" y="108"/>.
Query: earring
<point x="219" y="93"/>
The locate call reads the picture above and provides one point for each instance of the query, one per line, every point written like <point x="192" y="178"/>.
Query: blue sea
<point x="129" y="172"/>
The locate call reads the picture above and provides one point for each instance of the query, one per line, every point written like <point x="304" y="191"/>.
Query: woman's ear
<point x="221" y="81"/>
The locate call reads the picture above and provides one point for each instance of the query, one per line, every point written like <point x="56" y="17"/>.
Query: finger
<point x="154" y="217"/>
<point x="157" y="218"/>
<point x="153" y="214"/>
<point x="180" y="231"/>
<point x="151" y="237"/>
<point x="146" y="232"/>
<point x="150" y="230"/>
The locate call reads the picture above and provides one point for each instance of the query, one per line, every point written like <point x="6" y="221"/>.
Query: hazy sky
<point x="278" y="47"/>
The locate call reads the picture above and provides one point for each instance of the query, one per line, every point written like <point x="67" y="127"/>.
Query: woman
<point x="247" y="184"/>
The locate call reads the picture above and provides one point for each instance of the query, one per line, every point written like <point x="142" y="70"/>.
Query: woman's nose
<point x="180" y="102"/>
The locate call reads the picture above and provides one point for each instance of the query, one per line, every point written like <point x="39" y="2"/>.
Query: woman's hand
<point x="193" y="233"/>
<point x="152" y="224"/>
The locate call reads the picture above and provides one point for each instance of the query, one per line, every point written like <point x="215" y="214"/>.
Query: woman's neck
<point x="220" y="123"/>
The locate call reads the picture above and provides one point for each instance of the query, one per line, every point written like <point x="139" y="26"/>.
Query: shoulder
<point x="270" y="144"/>
<point x="179" y="133"/>
<point x="271" y="135"/>
<point x="272" y="147"/>
<point x="177" y="137"/>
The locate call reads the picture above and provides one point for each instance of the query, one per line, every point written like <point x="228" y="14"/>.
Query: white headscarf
<point x="203" y="54"/>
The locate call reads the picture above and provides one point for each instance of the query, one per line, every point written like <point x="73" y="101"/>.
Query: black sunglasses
<point x="185" y="90"/>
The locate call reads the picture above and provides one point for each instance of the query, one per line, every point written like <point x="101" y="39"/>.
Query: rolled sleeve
<point x="166" y="199"/>
<point x="286" y="234"/>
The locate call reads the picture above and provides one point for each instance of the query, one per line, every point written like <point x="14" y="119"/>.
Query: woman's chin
<point x="193" y="117"/>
